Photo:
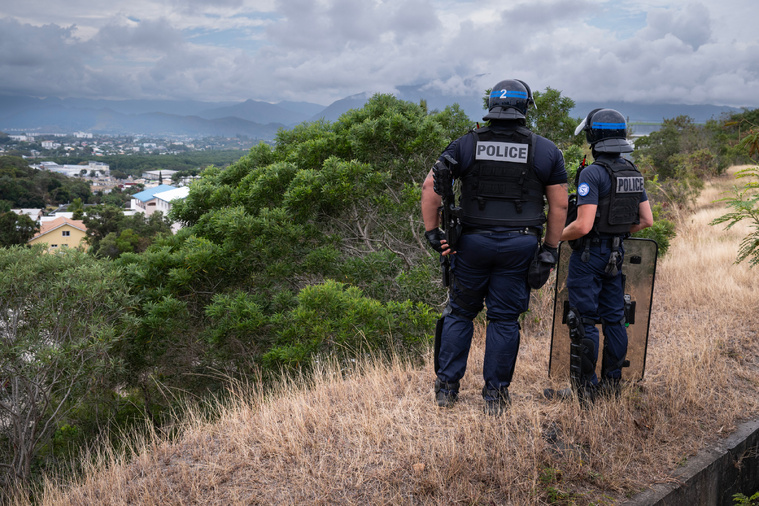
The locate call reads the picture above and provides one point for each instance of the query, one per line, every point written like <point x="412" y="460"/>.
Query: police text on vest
<point x="502" y="152"/>
<point x="630" y="184"/>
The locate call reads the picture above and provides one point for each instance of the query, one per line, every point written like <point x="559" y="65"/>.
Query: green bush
<point x="337" y="320"/>
<point x="662" y="231"/>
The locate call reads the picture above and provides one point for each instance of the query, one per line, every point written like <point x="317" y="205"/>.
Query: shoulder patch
<point x="583" y="189"/>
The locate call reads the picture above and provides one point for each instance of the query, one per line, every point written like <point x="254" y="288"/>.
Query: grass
<point x="375" y="436"/>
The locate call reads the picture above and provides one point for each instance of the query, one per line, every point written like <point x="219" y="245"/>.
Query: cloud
<point x="692" y="25"/>
<point x="40" y="58"/>
<point x="322" y="50"/>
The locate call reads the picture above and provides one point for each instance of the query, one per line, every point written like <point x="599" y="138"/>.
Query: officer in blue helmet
<point x="611" y="204"/>
<point x="505" y="171"/>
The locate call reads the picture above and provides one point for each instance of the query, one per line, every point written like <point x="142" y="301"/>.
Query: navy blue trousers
<point x="489" y="268"/>
<point x="600" y="297"/>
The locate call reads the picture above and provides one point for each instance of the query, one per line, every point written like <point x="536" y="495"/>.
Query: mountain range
<point x="256" y="119"/>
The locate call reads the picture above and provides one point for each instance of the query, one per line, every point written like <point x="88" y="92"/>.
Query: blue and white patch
<point x="583" y="189"/>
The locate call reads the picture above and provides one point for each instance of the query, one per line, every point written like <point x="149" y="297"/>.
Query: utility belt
<point x="490" y="231"/>
<point x="594" y="241"/>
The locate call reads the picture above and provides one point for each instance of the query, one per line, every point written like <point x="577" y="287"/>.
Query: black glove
<point x="541" y="266"/>
<point x="434" y="237"/>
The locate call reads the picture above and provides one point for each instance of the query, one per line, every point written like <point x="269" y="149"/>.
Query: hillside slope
<point x="373" y="435"/>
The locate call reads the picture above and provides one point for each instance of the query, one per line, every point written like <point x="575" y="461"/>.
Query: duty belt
<point x="599" y="241"/>
<point x="487" y="231"/>
<point x="614" y="243"/>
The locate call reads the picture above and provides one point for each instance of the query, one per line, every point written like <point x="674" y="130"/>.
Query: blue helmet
<point x="509" y="99"/>
<point x="606" y="131"/>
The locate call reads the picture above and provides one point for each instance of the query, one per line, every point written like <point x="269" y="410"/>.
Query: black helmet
<point x="606" y="131"/>
<point x="509" y="99"/>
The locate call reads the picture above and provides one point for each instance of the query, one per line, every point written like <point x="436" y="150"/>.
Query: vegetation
<point x="369" y="432"/>
<point x="300" y="254"/>
<point x="550" y="118"/>
<point x="24" y="187"/>
<point x="16" y="228"/>
<point x="681" y="154"/>
<point x="744" y="203"/>
<point x="305" y="249"/>
<point x="61" y="316"/>
<point x="189" y="163"/>
<point x="110" y="233"/>
<point x="744" y="500"/>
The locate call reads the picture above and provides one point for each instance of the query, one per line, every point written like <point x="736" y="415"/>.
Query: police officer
<point x="505" y="171"/>
<point x="612" y="204"/>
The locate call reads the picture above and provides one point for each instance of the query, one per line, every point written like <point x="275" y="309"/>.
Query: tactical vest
<point x="618" y="210"/>
<point x="501" y="187"/>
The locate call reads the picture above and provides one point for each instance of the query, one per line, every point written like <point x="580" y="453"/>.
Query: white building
<point x="159" y="198"/>
<point x="155" y="175"/>
<point x="34" y="214"/>
<point x="100" y="168"/>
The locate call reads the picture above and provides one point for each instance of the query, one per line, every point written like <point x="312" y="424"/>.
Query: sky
<point x="319" y="51"/>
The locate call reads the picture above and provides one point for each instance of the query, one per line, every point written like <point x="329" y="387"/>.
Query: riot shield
<point x="640" y="269"/>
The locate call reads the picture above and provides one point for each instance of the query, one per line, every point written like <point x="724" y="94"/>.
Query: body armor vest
<point x="618" y="210"/>
<point x="501" y="188"/>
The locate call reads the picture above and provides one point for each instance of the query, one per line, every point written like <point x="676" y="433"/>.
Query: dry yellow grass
<point x="376" y="436"/>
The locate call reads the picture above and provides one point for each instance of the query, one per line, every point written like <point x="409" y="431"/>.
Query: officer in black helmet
<point x="504" y="171"/>
<point x="612" y="204"/>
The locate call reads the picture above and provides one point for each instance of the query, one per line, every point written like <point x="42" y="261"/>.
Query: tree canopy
<point x="285" y="250"/>
<point x="24" y="187"/>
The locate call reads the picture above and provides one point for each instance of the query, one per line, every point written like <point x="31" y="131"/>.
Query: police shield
<point x="640" y="269"/>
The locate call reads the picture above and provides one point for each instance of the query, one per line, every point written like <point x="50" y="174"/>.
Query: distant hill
<point x="261" y="120"/>
<point x="655" y="113"/>
<point x="260" y="112"/>
<point x="135" y="117"/>
<point x="473" y="106"/>
<point x="338" y="108"/>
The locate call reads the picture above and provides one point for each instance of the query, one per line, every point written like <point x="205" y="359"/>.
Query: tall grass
<point x="373" y="435"/>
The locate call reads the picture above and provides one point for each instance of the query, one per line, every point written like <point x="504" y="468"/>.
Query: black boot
<point x="587" y="395"/>
<point x="446" y="394"/>
<point x="611" y="388"/>
<point x="496" y="401"/>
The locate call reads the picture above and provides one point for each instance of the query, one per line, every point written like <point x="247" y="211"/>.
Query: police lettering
<point x="629" y="184"/>
<point x="502" y="151"/>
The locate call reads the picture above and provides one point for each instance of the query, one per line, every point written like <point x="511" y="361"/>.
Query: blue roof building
<point x="149" y="194"/>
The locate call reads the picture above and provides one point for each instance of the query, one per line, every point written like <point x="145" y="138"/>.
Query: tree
<point x="328" y="201"/>
<point x="16" y="229"/>
<point x="100" y="221"/>
<point x="550" y="118"/>
<point x="107" y="224"/>
<point x="77" y="208"/>
<point x="60" y="317"/>
<point x="745" y="202"/>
